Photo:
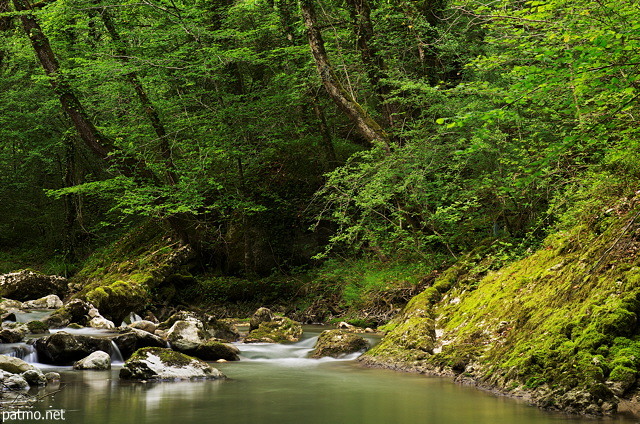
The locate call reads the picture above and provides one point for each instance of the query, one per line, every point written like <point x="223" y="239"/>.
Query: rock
<point x="116" y="300"/>
<point x="10" y="304"/>
<point x="63" y="348"/>
<point x="260" y="316"/>
<point x="164" y="364"/>
<point x="336" y="343"/>
<point x="180" y="316"/>
<point x="186" y="336"/>
<point x="215" y="350"/>
<point x="277" y="330"/>
<point x="144" y="325"/>
<point x="97" y="360"/>
<point x="14" y="365"/>
<point x="48" y="302"/>
<point x="15" y="382"/>
<point x="222" y="329"/>
<point x="37" y="327"/>
<point x="131" y="339"/>
<point x="76" y="311"/>
<point x="27" y="285"/>
<point x="35" y="377"/>
<point x="101" y="322"/>
<point x="11" y="335"/>
<point x="52" y="376"/>
<point x="345" y="326"/>
<point x="621" y="379"/>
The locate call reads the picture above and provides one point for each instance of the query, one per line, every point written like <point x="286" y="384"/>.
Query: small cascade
<point x="116" y="355"/>
<point x="32" y="315"/>
<point x="23" y="351"/>
<point x="288" y="354"/>
<point x="132" y="317"/>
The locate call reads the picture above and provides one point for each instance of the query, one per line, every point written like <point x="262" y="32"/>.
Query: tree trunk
<point x="185" y="225"/>
<point x="327" y="143"/>
<point x="366" y="125"/>
<point x="149" y="108"/>
<point x="70" y="103"/>
<point x="376" y="69"/>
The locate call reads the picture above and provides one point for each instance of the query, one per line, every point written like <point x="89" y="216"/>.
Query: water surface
<point x="276" y="384"/>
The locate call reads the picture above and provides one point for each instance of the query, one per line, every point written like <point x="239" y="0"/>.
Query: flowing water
<point x="277" y="384"/>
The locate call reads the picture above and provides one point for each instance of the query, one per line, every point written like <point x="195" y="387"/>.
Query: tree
<point x="366" y="125"/>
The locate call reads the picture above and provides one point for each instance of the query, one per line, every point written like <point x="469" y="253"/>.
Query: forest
<point x="275" y="134"/>
<point x="461" y="174"/>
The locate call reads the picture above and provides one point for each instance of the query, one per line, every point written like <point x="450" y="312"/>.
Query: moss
<point x="37" y="327"/>
<point x="622" y="373"/>
<point x="565" y="317"/>
<point x="121" y="277"/>
<point x="168" y="356"/>
<point x="280" y="330"/>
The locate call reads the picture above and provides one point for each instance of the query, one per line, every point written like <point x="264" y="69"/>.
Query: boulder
<point x="48" y="302"/>
<point x="144" y="325"/>
<point x="181" y="316"/>
<point x="98" y="321"/>
<point x="186" y="336"/>
<point x="37" y="327"/>
<point x="14" y="365"/>
<point x="276" y="330"/>
<point x="260" y="316"/>
<point x="97" y="360"/>
<point x="222" y="329"/>
<point x="11" y="335"/>
<point x="165" y="364"/>
<point x="27" y="285"/>
<point x="76" y="311"/>
<point x="337" y="343"/>
<point x="116" y="300"/>
<point x="35" y="377"/>
<point x="15" y="382"/>
<point x="52" y="376"/>
<point x="131" y="339"/>
<point x="211" y="327"/>
<point x="215" y="350"/>
<point x="63" y="348"/>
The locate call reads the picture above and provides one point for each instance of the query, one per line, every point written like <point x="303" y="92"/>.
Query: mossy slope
<point x="560" y="326"/>
<point x="121" y="278"/>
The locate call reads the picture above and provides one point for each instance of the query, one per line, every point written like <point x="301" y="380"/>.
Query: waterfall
<point x="132" y="317"/>
<point x="116" y="355"/>
<point x="23" y="351"/>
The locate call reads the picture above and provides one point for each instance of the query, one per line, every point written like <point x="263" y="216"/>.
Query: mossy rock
<point x="338" y="343"/>
<point x="74" y="312"/>
<point x="215" y="350"/>
<point x="153" y="363"/>
<point x="118" y="299"/>
<point x="37" y="327"/>
<point x="280" y="330"/>
<point x="560" y="324"/>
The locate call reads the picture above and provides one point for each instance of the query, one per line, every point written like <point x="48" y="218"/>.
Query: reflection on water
<point x="277" y="385"/>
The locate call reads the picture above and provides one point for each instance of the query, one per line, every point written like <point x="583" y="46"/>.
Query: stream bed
<point x="277" y="384"/>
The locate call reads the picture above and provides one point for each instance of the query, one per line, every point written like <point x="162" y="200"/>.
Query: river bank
<point x="278" y="383"/>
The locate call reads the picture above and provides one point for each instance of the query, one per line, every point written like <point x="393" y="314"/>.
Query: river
<point x="276" y="384"/>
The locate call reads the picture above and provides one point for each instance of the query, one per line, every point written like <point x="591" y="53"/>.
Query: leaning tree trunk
<point x="376" y="68"/>
<point x="185" y="225"/>
<point x="366" y="125"/>
<point x="149" y="108"/>
<point x="70" y="103"/>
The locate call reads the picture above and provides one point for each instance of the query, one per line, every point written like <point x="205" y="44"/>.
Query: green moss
<point x="622" y="373"/>
<point x="280" y="330"/>
<point x="565" y="317"/>
<point x="168" y="356"/>
<point x="37" y="327"/>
